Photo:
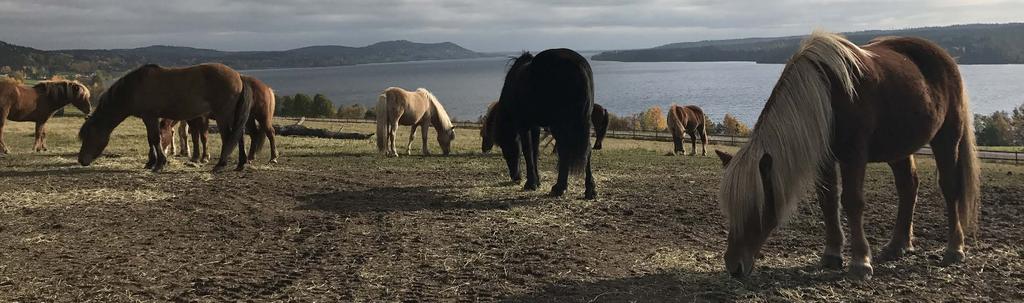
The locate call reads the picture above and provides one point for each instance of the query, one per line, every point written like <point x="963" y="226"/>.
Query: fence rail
<point x="1016" y="157"/>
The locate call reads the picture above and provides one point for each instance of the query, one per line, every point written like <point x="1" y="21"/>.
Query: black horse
<point x="554" y="89"/>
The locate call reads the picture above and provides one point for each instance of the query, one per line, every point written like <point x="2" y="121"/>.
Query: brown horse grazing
<point x="687" y="120"/>
<point x="152" y="92"/>
<point x="839" y="103"/>
<point x="37" y="104"/>
<point x="598" y="117"/>
<point x="260" y="126"/>
<point x="396" y="106"/>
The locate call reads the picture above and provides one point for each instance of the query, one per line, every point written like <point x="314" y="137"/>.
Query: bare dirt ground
<point x="335" y="222"/>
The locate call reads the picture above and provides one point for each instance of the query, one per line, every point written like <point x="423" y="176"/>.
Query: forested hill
<point x="35" y="61"/>
<point x="971" y="44"/>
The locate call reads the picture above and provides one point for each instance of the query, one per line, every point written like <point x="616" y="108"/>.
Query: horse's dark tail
<point x="237" y="130"/>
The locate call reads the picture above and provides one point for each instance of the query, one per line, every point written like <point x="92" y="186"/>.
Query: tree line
<point x="319" y="106"/>
<point x="1000" y="128"/>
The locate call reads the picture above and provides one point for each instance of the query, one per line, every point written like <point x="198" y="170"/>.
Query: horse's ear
<point x="724" y="156"/>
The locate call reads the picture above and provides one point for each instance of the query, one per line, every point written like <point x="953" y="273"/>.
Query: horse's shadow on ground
<point x="402" y="199"/>
<point x="681" y="286"/>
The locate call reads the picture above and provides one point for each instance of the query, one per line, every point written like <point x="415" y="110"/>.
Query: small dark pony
<point x="599" y="118"/>
<point x="152" y="92"/>
<point x="554" y="89"/>
<point x="688" y="120"/>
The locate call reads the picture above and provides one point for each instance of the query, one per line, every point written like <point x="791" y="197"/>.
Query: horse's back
<point x="910" y="88"/>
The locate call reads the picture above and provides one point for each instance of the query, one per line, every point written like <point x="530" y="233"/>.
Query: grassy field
<point x="336" y="222"/>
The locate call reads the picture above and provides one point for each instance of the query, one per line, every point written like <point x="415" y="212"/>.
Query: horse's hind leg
<point x="949" y="182"/>
<point x="590" y="192"/>
<point x="224" y="129"/>
<point x="703" y="140"/>
<point x="426" y="133"/>
<point x="828" y="200"/>
<point x="905" y="173"/>
<point x="853" y="203"/>
<point x="270" y="132"/>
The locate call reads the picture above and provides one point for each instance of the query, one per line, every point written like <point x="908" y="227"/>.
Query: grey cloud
<point x="479" y="25"/>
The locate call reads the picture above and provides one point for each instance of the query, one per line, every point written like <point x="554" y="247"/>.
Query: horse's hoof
<point x="240" y="168"/>
<point x="832" y="262"/>
<point x="148" y="166"/>
<point x="274" y="160"/>
<point x="157" y="168"/>
<point x="861" y="272"/>
<point x="530" y="186"/>
<point x="590" y="195"/>
<point x="557" y="191"/>
<point x="952" y="257"/>
<point x="219" y="168"/>
<point x="893" y="252"/>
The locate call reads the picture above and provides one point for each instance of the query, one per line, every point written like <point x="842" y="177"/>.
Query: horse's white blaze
<point x="795" y="129"/>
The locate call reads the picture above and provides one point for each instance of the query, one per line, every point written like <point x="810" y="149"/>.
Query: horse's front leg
<point x="3" y="146"/>
<point x="511" y="156"/>
<point x="905" y="173"/>
<point x="693" y="142"/>
<point x="412" y="137"/>
<point x="157" y="159"/>
<point x="426" y="132"/>
<point x="828" y="200"/>
<point x="853" y="203"/>
<point x="40" y="144"/>
<point x="529" y="142"/>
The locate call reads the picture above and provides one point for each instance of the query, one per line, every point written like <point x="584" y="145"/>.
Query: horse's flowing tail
<point x="382" y="122"/>
<point x="237" y="130"/>
<point x="969" y="209"/>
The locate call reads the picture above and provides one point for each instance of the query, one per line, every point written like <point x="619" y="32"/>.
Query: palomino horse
<point x="152" y="92"/>
<point x="839" y="103"/>
<point x="396" y="106"/>
<point x="687" y="120"/>
<point x="167" y="135"/>
<point x="37" y="104"/>
<point x="598" y="117"/>
<point x="260" y="126"/>
<point x="554" y="89"/>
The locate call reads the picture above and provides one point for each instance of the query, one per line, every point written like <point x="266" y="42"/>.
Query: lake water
<point x="465" y="87"/>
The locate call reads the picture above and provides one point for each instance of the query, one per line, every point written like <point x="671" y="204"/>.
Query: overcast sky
<point x="480" y="25"/>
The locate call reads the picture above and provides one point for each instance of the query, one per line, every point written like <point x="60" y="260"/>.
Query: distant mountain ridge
<point x="970" y="44"/>
<point x="119" y="60"/>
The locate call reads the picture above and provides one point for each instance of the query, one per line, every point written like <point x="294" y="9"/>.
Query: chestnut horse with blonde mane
<point x="260" y="126"/>
<point x="687" y="120"/>
<point x="37" y="104"/>
<point x="152" y="92"/>
<point x="837" y="103"/>
<point x="396" y="106"/>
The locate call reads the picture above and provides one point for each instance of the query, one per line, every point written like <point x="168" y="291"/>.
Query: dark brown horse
<point x="688" y="120"/>
<point x="837" y="103"/>
<point x="152" y="92"/>
<point x="37" y="104"/>
<point x="599" y="118"/>
<point x="260" y="126"/>
<point x="555" y="89"/>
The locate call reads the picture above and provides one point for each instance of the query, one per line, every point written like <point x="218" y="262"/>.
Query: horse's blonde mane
<point x="795" y="129"/>
<point x="437" y="110"/>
